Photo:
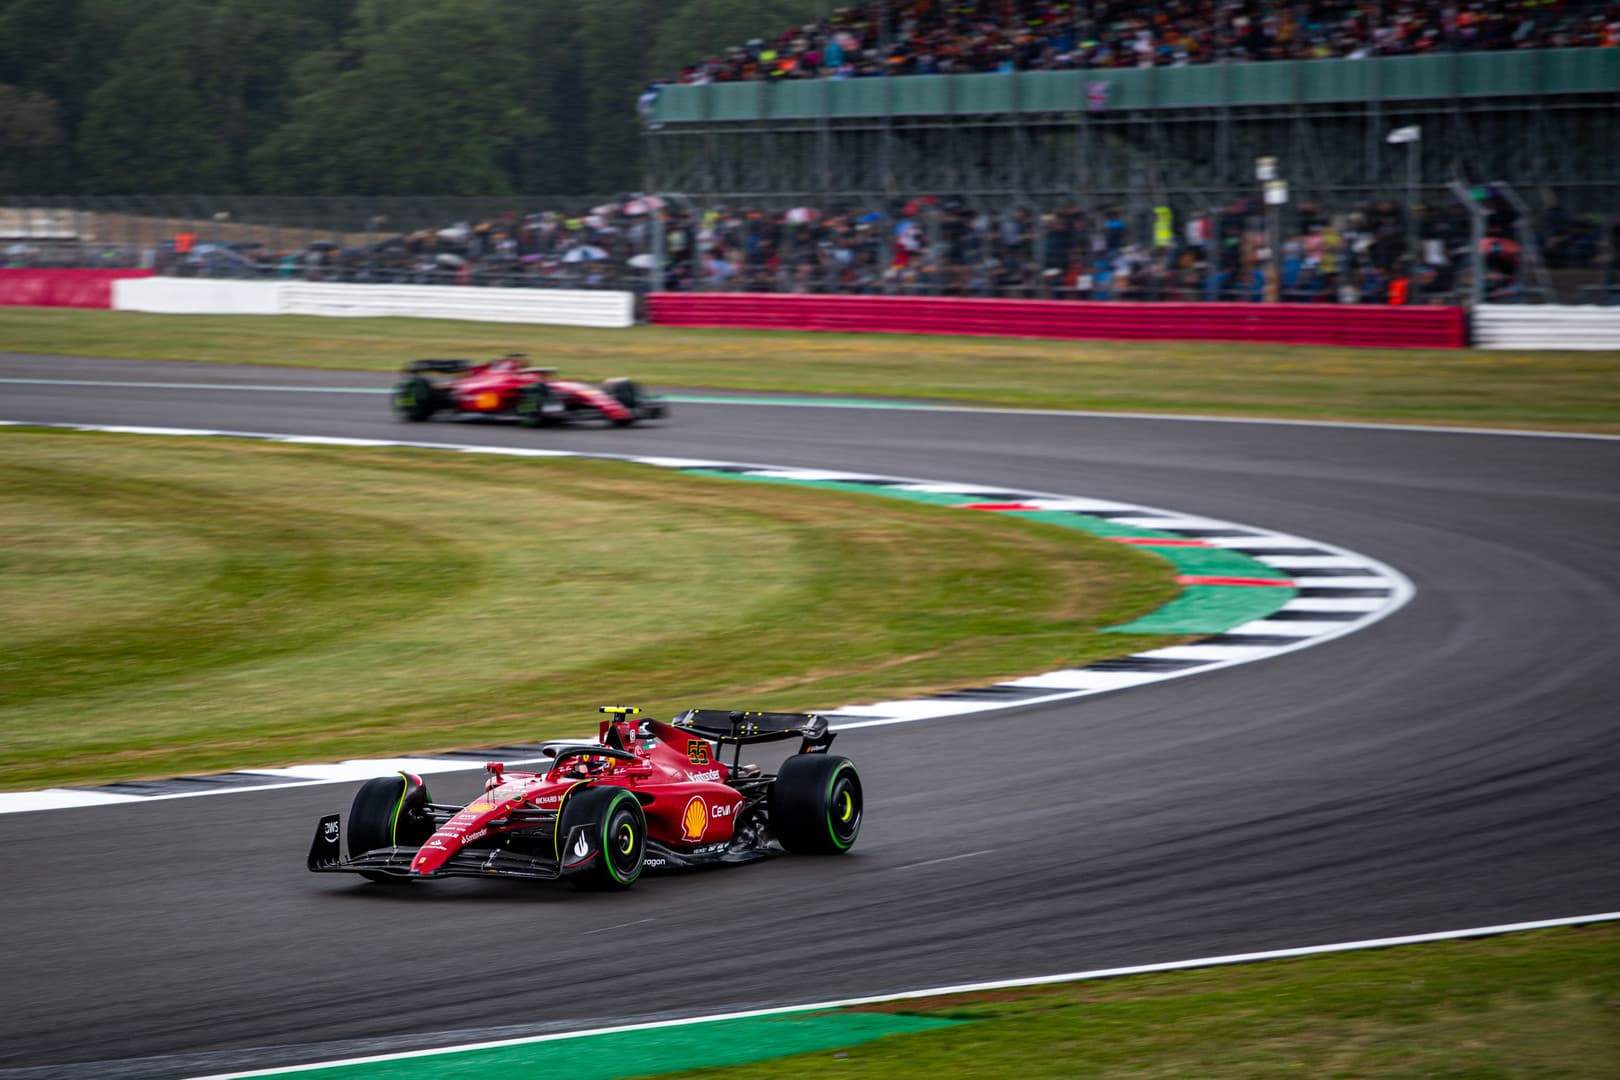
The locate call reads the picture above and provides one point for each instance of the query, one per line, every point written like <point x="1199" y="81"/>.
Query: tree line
<point x="345" y="97"/>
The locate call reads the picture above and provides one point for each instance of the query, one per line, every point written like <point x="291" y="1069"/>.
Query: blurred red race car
<point x="510" y="387"/>
<point x="645" y="796"/>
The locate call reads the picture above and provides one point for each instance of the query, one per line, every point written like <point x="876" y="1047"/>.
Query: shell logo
<point x="487" y="400"/>
<point x="694" y="819"/>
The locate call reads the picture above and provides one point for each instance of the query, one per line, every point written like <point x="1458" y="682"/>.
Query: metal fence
<point x="1460" y="245"/>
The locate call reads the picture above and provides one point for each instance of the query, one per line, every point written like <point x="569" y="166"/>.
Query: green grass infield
<point x="1538" y="1004"/>
<point x="1561" y="391"/>
<point x="180" y="605"/>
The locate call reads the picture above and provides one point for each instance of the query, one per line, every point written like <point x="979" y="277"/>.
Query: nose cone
<point x="430" y="857"/>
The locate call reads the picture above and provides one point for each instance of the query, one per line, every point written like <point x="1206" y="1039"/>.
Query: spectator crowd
<point x="926" y="37"/>
<point x="930" y="245"/>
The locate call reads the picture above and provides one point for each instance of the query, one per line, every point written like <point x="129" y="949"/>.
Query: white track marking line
<point x="960" y="988"/>
<point x="1082" y="679"/>
<point x="1172" y="522"/>
<point x="16" y="802"/>
<point x="813" y="474"/>
<point x="1257" y="545"/>
<point x="615" y="926"/>
<point x="1348" y="603"/>
<point x="365" y="768"/>
<point x="1196" y="651"/>
<point x="1304" y="630"/>
<point x="918" y="709"/>
<point x="250" y="387"/>
<point x="333" y="440"/>
<point x="1368" y="581"/>
<point x="1306" y="562"/>
<point x="946" y="859"/>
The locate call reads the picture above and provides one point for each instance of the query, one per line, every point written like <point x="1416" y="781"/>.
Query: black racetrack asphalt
<point x="1453" y="766"/>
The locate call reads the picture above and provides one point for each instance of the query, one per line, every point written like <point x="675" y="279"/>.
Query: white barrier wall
<point x="1546" y="326"/>
<point x="561" y="307"/>
<point x="194" y="296"/>
<point x="199" y="296"/>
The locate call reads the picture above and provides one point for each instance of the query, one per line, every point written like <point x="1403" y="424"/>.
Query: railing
<point x="1385" y="79"/>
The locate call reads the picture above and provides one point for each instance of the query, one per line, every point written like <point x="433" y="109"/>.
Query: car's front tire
<point x="816" y="804"/>
<point x="532" y="406"/>
<point x="615" y="823"/>
<point x="628" y="393"/>
<point x="416" y="399"/>
<point x="390" y="811"/>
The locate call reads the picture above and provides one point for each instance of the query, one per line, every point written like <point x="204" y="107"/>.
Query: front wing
<point x="326" y="856"/>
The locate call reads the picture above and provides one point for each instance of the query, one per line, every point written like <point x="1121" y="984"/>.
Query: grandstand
<point x="1534" y="118"/>
<point x="1029" y="109"/>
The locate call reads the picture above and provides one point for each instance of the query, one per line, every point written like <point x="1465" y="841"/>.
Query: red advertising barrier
<point x="61" y="288"/>
<point x="1372" y="326"/>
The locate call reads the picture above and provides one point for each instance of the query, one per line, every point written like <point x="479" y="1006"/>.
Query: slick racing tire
<point x="816" y="804"/>
<point x="531" y="406"/>
<point x="617" y="827"/>
<point x="416" y="399"/>
<point x="627" y="393"/>
<point x="390" y="811"/>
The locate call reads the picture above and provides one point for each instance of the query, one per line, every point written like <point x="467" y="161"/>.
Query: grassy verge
<point x="1543" y="1004"/>
<point x="203" y="605"/>
<point x="1572" y="391"/>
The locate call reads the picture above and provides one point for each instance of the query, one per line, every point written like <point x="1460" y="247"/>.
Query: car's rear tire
<point x="616" y="824"/>
<point x="390" y="811"/>
<point x="816" y="804"/>
<point x="627" y="393"/>
<point x="416" y="399"/>
<point x="531" y="406"/>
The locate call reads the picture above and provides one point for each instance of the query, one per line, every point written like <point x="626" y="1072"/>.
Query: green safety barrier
<point x="1519" y="73"/>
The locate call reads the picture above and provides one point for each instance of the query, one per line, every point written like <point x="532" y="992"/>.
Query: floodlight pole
<point x="1275" y="192"/>
<point x="1412" y="239"/>
<point x="655" y="214"/>
<point x="1476" y="233"/>
<point x="1413" y="138"/>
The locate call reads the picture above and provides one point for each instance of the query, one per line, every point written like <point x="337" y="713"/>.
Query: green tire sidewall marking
<point x="832" y="828"/>
<point x="607" y="850"/>
<point x="399" y="805"/>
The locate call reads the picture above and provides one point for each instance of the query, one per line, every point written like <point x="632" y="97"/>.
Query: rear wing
<point x="739" y="727"/>
<point x="440" y="365"/>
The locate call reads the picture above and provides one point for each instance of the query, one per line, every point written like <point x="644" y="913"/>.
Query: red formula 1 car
<point x="645" y="796"/>
<point x="510" y="387"/>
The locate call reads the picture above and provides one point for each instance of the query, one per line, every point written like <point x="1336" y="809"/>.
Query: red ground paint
<point x="1156" y="541"/>
<point x="996" y="506"/>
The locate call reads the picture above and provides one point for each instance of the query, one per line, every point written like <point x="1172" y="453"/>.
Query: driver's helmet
<point x="590" y="764"/>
